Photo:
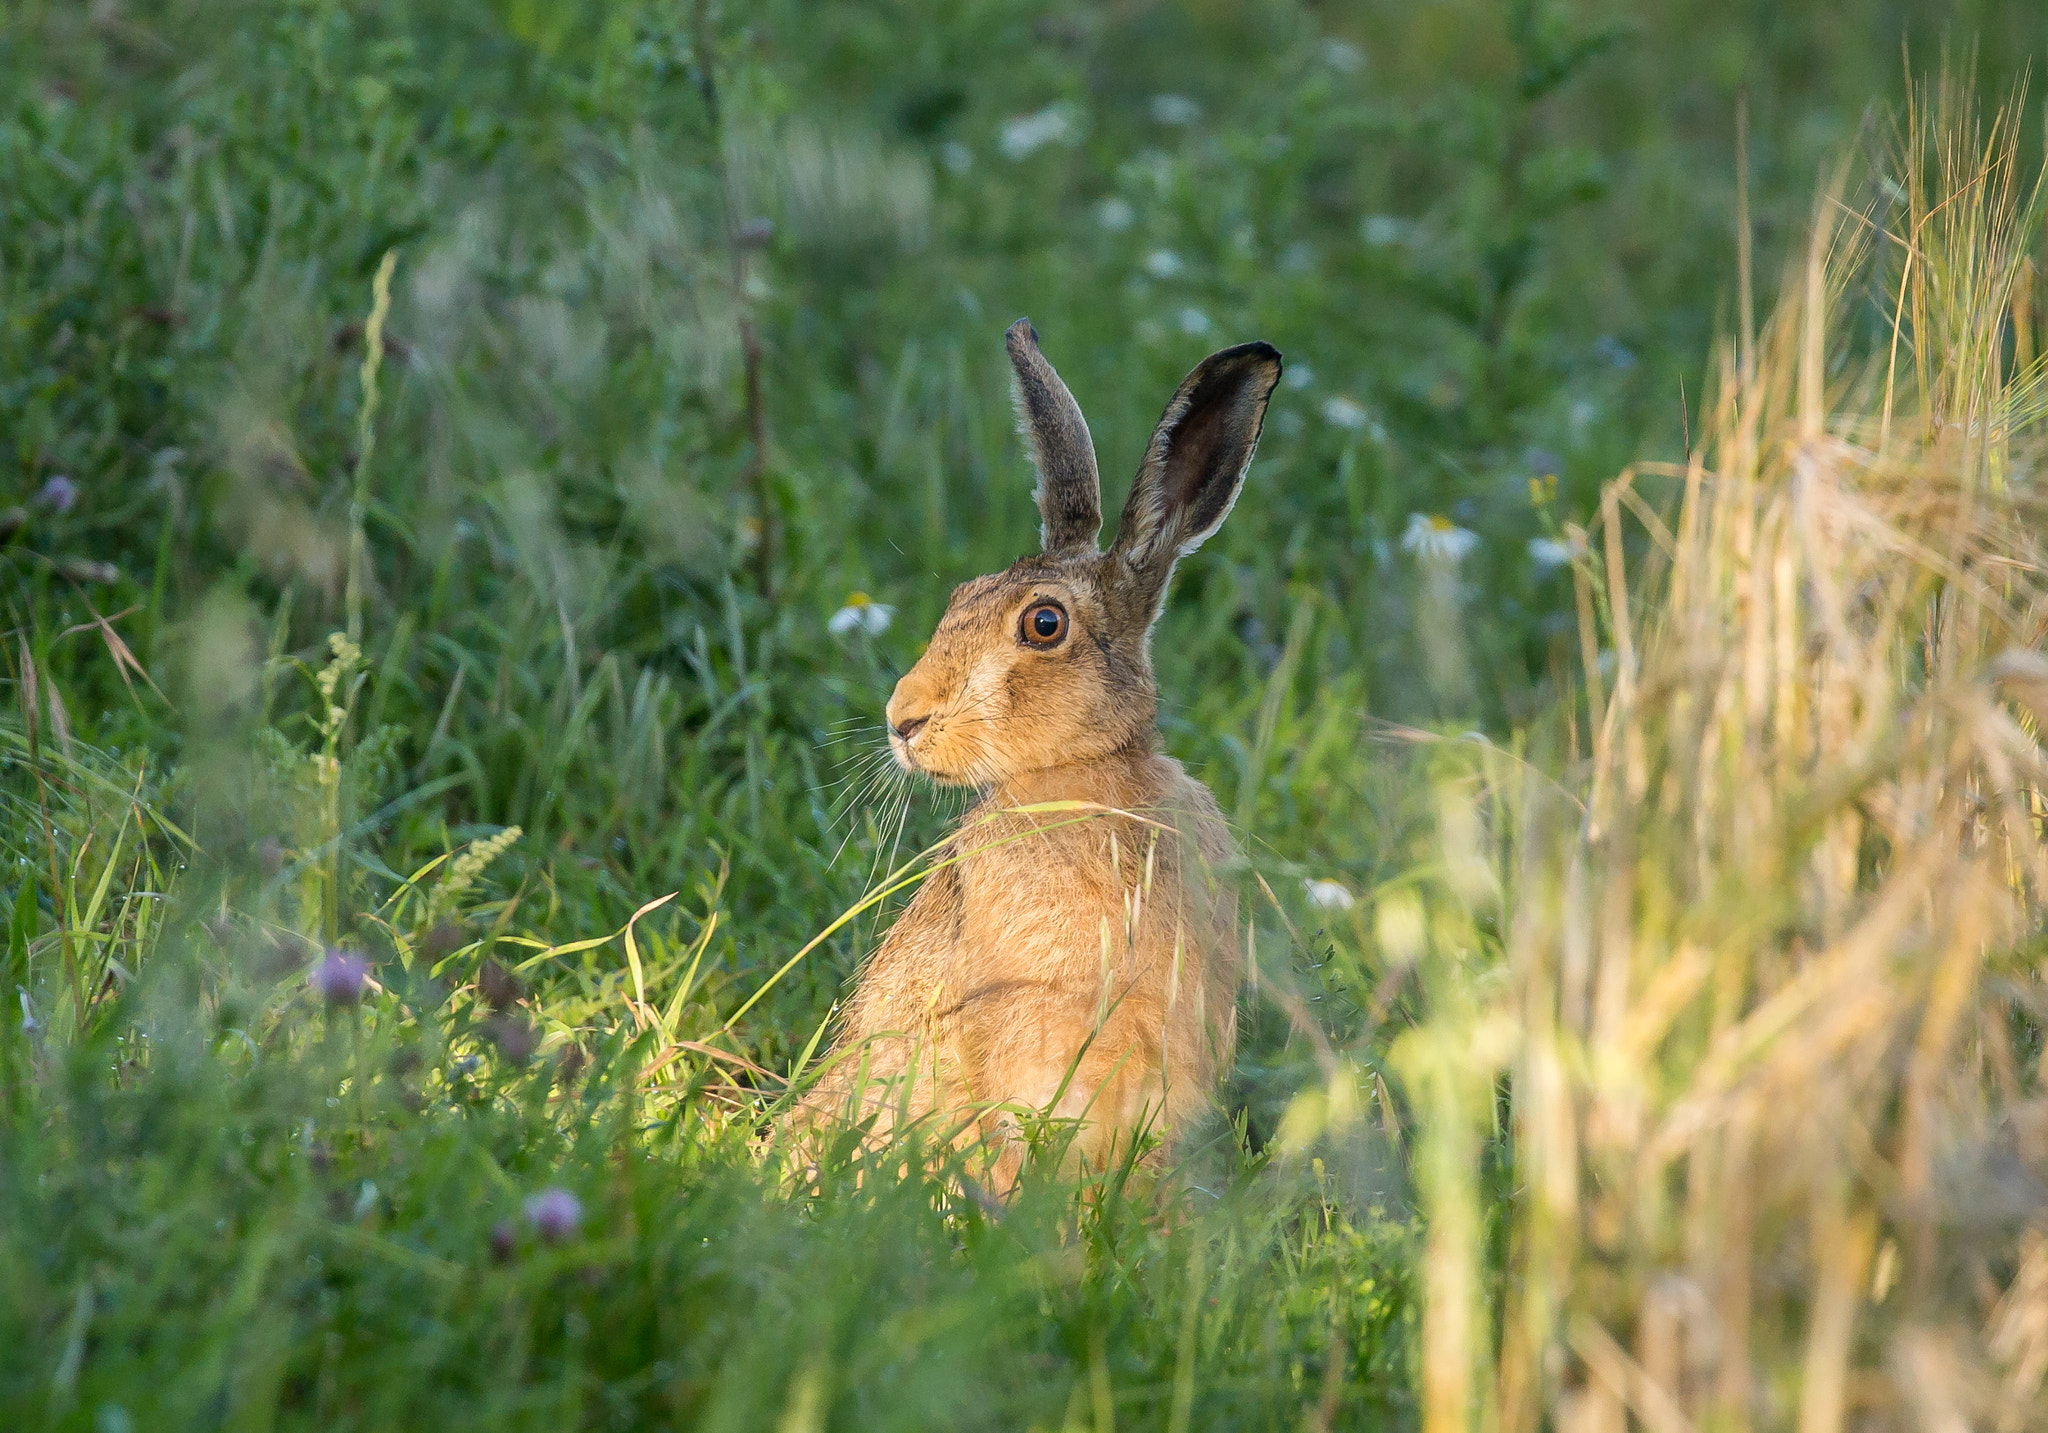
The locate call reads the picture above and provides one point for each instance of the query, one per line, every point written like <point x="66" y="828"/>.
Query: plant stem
<point x="366" y="440"/>
<point x="26" y="684"/>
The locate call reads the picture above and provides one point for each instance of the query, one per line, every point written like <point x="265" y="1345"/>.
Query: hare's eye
<point x="1045" y="625"/>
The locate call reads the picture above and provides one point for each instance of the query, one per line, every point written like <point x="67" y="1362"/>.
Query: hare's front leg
<point x="1056" y="1054"/>
<point x="895" y="1059"/>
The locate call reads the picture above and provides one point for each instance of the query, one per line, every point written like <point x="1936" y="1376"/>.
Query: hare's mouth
<point x="903" y="742"/>
<point x="917" y="745"/>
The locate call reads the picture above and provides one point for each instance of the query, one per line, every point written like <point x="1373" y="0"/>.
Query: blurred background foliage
<point x="692" y="343"/>
<point x="1493" y="238"/>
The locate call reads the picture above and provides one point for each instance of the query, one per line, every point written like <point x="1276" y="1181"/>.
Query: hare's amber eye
<point x="1045" y="625"/>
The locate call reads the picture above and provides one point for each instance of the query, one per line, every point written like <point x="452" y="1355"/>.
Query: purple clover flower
<point x="555" y="1213"/>
<point x="341" y="977"/>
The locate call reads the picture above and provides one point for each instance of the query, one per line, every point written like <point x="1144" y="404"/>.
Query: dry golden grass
<point x="1768" y="1036"/>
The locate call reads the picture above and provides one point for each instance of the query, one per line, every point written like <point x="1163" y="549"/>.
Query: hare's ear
<point x="1193" y="467"/>
<point x="1069" y="491"/>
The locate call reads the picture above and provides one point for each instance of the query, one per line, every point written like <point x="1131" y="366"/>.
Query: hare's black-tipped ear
<point x="1069" y="490"/>
<point x="1194" y="466"/>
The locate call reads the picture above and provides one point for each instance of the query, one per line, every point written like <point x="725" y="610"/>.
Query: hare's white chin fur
<point x="900" y="749"/>
<point x="1094" y="953"/>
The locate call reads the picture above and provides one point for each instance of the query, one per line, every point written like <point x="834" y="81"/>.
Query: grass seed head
<point x="515" y="1038"/>
<point x="499" y="987"/>
<point x="570" y="1064"/>
<point x="443" y="938"/>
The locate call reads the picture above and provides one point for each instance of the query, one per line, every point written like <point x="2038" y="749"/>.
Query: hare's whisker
<point x="866" y="748"/>
<point x="852" y="769"/>
<point x="882" y="864"/>
<point x="869" y="787"/>
<point x="859" y="799"/>
<point x="853" y="809"/>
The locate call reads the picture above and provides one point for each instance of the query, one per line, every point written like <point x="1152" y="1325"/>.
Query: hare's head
<point x="1050" y="661"/>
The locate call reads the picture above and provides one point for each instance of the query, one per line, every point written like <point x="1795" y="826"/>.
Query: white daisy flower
<point x="1329" y="895"/>
<point x="1343" y="56"/>
<point x="1193" y="322"/>
<point x="1433" y="536"/>
<point x="1298" y="377"/>
<point x="1025" y="135"/>
<point x="1385" y="230"/>
<point x="1115" y="215"/>
<point x="1163" y="264"/>
<point x="1341" y="412"/>
<point x="861" y="614"/>
<point x="1549" y="552"/>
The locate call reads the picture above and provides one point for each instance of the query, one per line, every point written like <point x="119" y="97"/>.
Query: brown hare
<point x="1079" y="954"/>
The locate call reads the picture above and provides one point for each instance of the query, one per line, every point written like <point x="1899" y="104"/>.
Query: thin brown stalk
<point x="768" y="547"/>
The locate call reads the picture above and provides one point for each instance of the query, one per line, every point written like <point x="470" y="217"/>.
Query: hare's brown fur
<point x="1080" y="960"/>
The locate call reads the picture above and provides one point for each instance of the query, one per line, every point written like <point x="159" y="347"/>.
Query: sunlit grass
<point x="442" y="804"/>
<point x="1767" y="1023"/>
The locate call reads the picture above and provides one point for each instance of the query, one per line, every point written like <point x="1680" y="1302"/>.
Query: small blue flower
<point x="59" y="494"/>
<point x="1612" y="352"/>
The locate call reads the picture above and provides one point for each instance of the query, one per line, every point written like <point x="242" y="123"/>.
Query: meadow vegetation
<point x="473" y="472"/>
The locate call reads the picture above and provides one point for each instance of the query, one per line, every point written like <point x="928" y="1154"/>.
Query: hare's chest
<point x="1044" y="909"/>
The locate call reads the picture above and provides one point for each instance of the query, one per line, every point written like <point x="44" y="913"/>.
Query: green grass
<point x="368" y="1263"/>
<point x="1494" y="239"/>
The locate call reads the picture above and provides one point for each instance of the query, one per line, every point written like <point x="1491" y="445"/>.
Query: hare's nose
<point x="910" y="727"/>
